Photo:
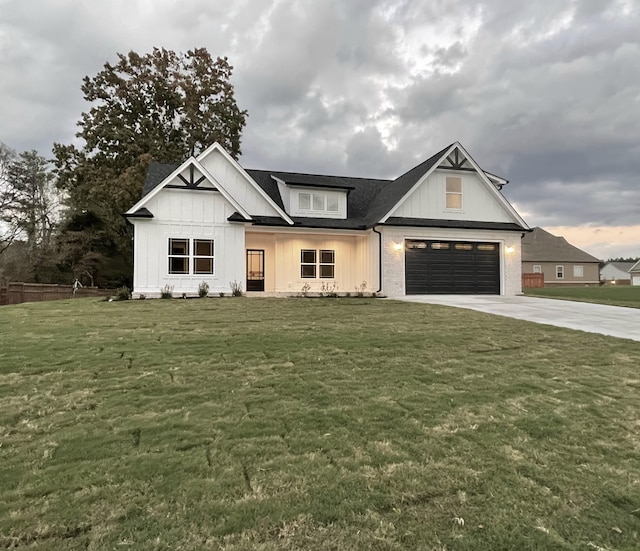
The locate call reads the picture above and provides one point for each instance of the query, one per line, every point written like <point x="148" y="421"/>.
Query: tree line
<point x="62" y="218"/>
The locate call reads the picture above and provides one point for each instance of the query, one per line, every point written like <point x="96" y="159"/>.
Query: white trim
<point x="191" y="161"/>
<point x="480" y="172"/>
<point x="221" y="189"/>
<point x="245" y="175"/>
<point x="496" y="179"/>
<point x="160" y="186"/>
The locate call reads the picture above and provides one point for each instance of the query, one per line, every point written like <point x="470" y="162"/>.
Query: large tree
<point x="8" y="230"/>
<point x="29" y="209"/>
<point x="160" y="106"/>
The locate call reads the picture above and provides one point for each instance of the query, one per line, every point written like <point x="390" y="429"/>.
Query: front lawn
<point x="614" y="295"/>
<point x="337" y="424"/>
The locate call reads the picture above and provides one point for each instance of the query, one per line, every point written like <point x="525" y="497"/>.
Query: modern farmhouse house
<point x="442" y="227"/>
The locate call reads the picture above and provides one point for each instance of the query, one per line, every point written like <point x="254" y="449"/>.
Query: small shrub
<point x="166" y="291"/>
<point x="203" y="289"/>
<point x="123" y="293"/>
<point x="142" y="297"/>
<point x="360" y="289"/>
<point x="305" y="289"/>
<point x="329" y="289"/>
<point x="236" y="288"/>
<point x="221" y="293"/>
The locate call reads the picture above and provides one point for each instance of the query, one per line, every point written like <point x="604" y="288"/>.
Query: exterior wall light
<point x="398" y="246"/>
<point x="509" y="250"/>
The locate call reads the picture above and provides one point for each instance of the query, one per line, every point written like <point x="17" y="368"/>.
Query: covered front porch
<point x="310" y="261"/>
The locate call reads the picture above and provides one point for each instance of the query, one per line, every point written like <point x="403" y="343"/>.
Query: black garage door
<point x="451" y="267"/>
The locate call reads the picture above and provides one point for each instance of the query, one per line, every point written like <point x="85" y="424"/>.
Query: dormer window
<point x="304" y="201"/>
<point x="319" y="203"/>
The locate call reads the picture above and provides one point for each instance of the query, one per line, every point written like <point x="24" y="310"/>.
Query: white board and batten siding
<point x="237" y="185"/>
<point x="187" y="214"/>
<point x="428" y="200"/>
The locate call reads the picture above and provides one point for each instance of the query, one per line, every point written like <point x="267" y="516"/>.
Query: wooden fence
<point x="17" y="293"/>
<point x="532" y="281"/>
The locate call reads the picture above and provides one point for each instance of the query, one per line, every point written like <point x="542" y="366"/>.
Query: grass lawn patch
<point x="613" y="295"/>
<point x="274" y="424"/>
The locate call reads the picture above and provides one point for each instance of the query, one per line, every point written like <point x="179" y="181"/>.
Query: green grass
<point x="615" y="295"/>
<point x="339" y="424"/>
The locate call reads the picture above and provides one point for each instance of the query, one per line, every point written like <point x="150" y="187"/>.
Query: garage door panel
<point x="437" y="267"/>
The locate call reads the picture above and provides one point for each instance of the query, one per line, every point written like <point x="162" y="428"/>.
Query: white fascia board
<point x="160" y="186"/>
<point x="492" y="188"/>
<point x="496" y="179"/>
<point x="635" y="267"/>
<point x="221" y="189"/>
<point x="249" y="179"/>
<point x="417" y="184"/>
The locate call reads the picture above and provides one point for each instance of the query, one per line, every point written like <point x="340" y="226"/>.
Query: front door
<point x="255" y="270"/>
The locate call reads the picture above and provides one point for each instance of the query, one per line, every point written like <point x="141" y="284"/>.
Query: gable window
<point x="315" y="263"/>
<point x="454" y="192"/>
<point x="537" y="269"/>
<point x="190" y="256"/>
<point x="559" y="272"/>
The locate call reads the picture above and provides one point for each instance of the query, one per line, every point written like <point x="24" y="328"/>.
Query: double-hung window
<point x="454" y="192"/>
<point x="317" y="263"/>
<point x="202" y="256"/>
<point x="178" y="256"/>
<point x="191" y="256"/>
<point x="559" y="272"/>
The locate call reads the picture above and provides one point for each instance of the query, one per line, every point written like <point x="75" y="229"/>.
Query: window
<point x="463" y="247"/>
<point x="438" y="246"/>
<point x="454" y="193"/>
<point x="197" y="253"/>
<point x="327" y="263"/>
<point x="317" y="263"/>
<point x="307" y="263"/>
<point x="319" y="203"/>
<point x="537" y="269"/>
<point x="559" y="272"/>
<point x="202" y="256"/>
<point x="178" y="256"/>
<point x="578" y="271"/>
<point x="332" y="203"/>
<point x="487" y="247"/>
<point x="304" y="201"/>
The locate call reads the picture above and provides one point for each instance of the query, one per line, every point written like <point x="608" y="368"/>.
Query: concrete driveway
<point x="594" y="318"/>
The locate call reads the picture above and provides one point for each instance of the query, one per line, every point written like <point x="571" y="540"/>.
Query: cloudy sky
<point x="545" y="94"/>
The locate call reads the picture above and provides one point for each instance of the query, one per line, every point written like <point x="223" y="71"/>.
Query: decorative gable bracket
<point x="192" y="183"/>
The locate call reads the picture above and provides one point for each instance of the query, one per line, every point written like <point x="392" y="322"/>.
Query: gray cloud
<point x="545" y="94"/>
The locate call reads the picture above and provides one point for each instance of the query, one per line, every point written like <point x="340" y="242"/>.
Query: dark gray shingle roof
<point x="369" y="199"/>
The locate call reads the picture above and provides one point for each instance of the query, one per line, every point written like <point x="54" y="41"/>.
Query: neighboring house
<point x="634" y="272"/>
<point x="442" y="227"/>
<point x="616" y="271"/>
<point x="559" y="261"/>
